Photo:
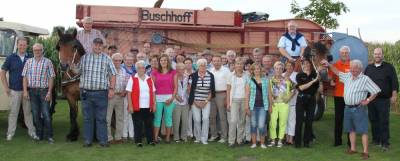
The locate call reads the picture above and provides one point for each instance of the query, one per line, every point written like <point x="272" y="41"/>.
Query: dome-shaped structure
<point x="358" y="50"/>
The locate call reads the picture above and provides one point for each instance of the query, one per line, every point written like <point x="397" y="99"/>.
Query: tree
<point x="323" y="12"/>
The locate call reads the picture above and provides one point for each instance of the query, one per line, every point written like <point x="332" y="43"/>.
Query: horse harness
<point x="70" y="78"/>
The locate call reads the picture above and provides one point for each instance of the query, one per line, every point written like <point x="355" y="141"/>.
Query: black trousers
<point x="305" y="107"/>
<point x="143" y="120"/>
<point x="378" y="113"/>
<point x="339" y="114"/>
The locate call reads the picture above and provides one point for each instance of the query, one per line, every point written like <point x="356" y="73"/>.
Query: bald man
<point x="384" y="75"/>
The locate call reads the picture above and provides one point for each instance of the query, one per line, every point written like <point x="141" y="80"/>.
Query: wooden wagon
<point x="130" y="27"/>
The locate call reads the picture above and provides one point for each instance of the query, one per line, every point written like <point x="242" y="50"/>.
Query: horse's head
<point x="316" y="52"/>
<point x="69" y="49"/>
<point x="316" y="49"/>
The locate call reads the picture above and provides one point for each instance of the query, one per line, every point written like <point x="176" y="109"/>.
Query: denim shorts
<point x="356" y="119"/>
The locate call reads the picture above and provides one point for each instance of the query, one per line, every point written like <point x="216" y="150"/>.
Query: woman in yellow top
<point x="282" y="92"/>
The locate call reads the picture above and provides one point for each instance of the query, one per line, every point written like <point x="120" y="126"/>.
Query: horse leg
<point x="73" y="114"/>
<point x="53" y="103"/>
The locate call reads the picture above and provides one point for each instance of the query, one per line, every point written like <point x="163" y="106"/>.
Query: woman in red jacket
<point x="141" y="101"/>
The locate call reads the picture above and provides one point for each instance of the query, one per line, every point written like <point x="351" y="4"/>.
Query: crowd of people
<point x="236" y="99"/>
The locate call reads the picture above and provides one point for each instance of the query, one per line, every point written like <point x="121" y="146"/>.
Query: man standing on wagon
<point x="88" y="34"/>
<point x="292" y="44"/>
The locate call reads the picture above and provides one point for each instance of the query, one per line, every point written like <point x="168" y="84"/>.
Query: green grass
<point x="22" y="148"/>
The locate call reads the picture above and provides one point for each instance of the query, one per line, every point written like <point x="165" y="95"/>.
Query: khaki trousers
<point x="115" y="104"/>
<point x="16" y="98"/>
<point x="237" y="121"/>
<point x="218" y="108"/>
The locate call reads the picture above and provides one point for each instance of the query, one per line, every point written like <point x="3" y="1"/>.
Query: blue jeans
<point x="94" y="107"/>
<point x="258" y="117"/>
<point x="41" y="112"/>
<point x="356" y="119"/>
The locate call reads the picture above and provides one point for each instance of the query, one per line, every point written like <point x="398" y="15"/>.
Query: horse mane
<point x="79" y="46"/>
<point x="70" y="38"/>
<point x="319" y="48"/>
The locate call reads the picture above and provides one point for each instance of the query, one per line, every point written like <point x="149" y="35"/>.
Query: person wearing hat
<point x="97" y="85"/>
<point x="88" y="34"/>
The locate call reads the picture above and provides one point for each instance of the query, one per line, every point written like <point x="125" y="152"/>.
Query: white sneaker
<point x="279" y="145"/>
<point x="212" y="138"/>
<point x="34" y="136"/>
<point x="272" y="143"/>
<point x="9" y="137"/>
<point x="197" y="141"/>
<point x="253" y="146"/>
<point x="263" y="146"/>
<point x="221" y="141"/>
<point x="204" y="142"/>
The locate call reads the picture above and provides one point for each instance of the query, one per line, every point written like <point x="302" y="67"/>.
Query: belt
<point x="41" y="89"/>
<point x="87" y="90"/>
<point x="295" y="57"/>
<point x="353" y="106"/>
<point x="220" y="91"/>
<point x="304" y="95"/>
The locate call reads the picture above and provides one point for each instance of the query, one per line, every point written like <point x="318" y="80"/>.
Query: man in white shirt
<point x="218" y="104"/>
<point x="292" y="43"/>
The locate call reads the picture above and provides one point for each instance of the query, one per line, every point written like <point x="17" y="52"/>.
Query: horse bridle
<point x="70" y="78"/>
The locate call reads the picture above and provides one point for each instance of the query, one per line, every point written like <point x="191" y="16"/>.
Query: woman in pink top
<point x="166" y="89"/>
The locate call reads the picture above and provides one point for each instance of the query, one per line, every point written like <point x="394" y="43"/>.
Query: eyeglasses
<point x="117" y="60"/>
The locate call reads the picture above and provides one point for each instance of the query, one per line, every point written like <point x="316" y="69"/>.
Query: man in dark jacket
<point x="384" y="75"/>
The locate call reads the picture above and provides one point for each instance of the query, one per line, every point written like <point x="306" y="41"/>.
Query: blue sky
<point x="378" y="22"/>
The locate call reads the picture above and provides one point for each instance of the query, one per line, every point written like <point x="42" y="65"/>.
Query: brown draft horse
<point x="70" y="51"/>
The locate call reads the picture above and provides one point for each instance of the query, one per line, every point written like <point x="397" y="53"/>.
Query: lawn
<point x="22" y="148"/>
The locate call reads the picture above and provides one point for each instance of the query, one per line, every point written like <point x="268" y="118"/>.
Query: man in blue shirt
<point x="14" y="65"/>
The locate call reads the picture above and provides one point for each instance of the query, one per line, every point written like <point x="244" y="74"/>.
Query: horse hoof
<point x="71" y="138"/>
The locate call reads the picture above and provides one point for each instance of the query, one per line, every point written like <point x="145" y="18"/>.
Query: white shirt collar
<point x="145" y="76"/>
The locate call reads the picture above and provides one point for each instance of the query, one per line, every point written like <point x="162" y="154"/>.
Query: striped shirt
<point x="38" y="72"/>
<point x="121" y="80"/>
<point x="86" y="38"/>
<point x="203" y="87"/>
<point x="357" y="89"/>
<point x="95" y="70"/>
<point x="182" y="90"/>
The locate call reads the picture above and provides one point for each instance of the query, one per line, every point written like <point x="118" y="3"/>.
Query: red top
<point x="343" y="67"/>
<point x="136" y="94"/>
